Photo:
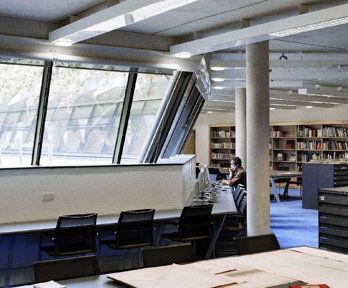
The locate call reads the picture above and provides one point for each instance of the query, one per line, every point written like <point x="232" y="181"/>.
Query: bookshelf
<point x="222" y="145"/>
<point x="290" y="144"/>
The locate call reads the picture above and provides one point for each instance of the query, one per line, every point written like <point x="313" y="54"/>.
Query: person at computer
<point x="237" y="173"/>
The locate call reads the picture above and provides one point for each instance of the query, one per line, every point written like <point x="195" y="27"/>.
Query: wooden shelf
<point x="289" y="133"/>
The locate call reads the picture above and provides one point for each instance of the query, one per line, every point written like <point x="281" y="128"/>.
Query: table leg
<point x="217" y="230"/>
<point x="274" y="189"/>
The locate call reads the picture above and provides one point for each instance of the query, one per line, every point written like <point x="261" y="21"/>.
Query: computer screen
<point x="207" y="178"/>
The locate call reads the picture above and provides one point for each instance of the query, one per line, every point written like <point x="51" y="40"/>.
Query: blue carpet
<point x="293" y="225"/>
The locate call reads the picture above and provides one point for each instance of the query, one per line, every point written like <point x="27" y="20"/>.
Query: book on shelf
<point x="310" y="286"/>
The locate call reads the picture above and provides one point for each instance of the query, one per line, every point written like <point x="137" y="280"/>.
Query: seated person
<point x="237" y="173"/>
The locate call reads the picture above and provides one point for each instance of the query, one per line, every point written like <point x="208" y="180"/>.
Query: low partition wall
<point x="31" y="194"/>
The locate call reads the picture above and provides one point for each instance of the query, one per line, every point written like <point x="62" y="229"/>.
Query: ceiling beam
<point x="264" y="31"/>
<point x="240" y="64"/>
<point x="301" y="103"/>
<point x="12" y="46"/>
<point x="230" y="84"/>
<point x="325" y="91"/>
<point x="285" y="95"/>
<point x="288" y="74"/>
<point x="112" y="18"/>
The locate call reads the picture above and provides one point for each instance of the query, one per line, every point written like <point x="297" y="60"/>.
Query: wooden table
<point x="262" y="270"/>
<point x="278" y="174"/>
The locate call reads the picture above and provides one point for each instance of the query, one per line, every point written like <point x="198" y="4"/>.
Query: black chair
<point x="194" y="224"/>
<point x="134" y="229"/>
<point x="166" y="255"/>
<point x="67" y="268"/>
<point x="256" y="244"/>
<point x="74" y="234"/>
<point x="236" y="190"/>
<point x="237" y="223"/>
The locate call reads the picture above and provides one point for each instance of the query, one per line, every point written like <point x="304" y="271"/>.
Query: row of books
<point x="309" y="132"/>
<point x="335" y="132"/>
<point x="222" y="156"/>
<point x="225" y="145"/>
<point x="277" y="133"/>
<point x="223" y="134"/>
<point x="335" y="155"/>
<point x="307" y="156"/>
<point x="309" y="145"/>
<point x="335" y="145"/>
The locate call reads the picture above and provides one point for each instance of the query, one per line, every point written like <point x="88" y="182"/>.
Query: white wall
<point x="339" y="113"/>
<point x="104" y="190"/>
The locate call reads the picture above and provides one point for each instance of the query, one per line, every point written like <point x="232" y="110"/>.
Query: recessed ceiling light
<point x="210" y="112"/>
<point x="309" y="106"/>
<point x="218" y="87"/>
<point x="272" y="108"/>
<point x="217" y="68"/>
<point x="184" y="55"/>
<point x="63" y="42"/>
<point x="218" y="79"/>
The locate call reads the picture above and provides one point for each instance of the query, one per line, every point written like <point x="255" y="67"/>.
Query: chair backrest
<point x="240" y="197"/>
<point x="256" y="244"/>
<point x="135" y="226"/>
<point x="167" y="255"/>
<point x="195" y="221"/>
<point x="66" y="268"/>
<point x="242" y="207"/>
<point x="237" y="190"/>
<point x="78" y="229"/>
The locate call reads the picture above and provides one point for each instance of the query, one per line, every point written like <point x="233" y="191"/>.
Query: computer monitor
<point x="206" y="174"/>
<point x="201" y="181"/>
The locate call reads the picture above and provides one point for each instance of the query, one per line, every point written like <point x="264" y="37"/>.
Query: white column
<point x="240" y="112"/>
<point x="257" y="105"/>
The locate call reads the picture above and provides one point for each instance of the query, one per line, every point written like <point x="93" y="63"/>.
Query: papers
<point x="171" y="276"/>
<point x="49" y="284"/>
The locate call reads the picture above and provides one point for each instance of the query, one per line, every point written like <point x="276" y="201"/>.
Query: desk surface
<point x="280" y="173"/>
<point x="225" y="205"/>
<point x="310" y="265"/>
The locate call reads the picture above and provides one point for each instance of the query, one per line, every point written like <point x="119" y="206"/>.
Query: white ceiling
<point x="317" y="60"/>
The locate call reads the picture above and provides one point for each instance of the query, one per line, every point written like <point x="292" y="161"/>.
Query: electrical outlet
<point x="49" y="196"/>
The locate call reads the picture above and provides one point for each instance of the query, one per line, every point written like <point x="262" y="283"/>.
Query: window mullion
<point x="126" y="109"/>
<point x="41" y="114"/>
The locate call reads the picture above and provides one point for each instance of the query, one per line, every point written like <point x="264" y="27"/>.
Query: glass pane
<point x="150" y="91"/>
<point x="84" y="117"/>
<point x="19" y="98"/>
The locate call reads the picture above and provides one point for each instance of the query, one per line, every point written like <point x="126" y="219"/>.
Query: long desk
<point x="278" y="174"/>
<point x="224" y="206"/>
<point x="279" y="268"/>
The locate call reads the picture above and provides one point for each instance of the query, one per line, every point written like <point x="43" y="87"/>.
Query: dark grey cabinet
<point x="333" y="219"/>
<point x="321" y="175"/>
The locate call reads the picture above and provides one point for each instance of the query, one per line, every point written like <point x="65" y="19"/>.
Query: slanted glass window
<point x="150" y="91"/>
<point x="19" y="97"/>
<point x="83" y="116"/>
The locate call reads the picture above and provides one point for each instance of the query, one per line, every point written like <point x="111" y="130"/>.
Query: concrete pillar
<point x="240" y="112"/>
<point x="257" y="105"/>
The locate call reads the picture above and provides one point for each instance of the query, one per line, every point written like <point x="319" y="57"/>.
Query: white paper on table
<point x="171" y="276"/>
<point x="49" y="284"/>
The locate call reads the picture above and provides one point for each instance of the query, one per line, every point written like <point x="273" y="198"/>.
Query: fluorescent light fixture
<point x="184" y="55"/>
<point x="309" y="106"/>
<point x="114" y="17"/>
<point x="311" y="27"/>
<point x="218" y="79"/>
<point x="217" y="68"/>
<point x="329" y="17"/>
<point x="272" y="108"/>
<point x="209" y="112"/>
<point x="219" y="87"/>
